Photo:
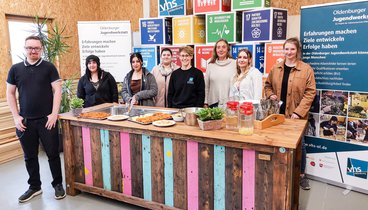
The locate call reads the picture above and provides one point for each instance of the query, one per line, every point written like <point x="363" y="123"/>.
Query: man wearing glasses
<point x="39" y="87"/>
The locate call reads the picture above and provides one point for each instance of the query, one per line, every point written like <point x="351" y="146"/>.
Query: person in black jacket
<point x="186" y="86"/>
<point x="96" y="86"/>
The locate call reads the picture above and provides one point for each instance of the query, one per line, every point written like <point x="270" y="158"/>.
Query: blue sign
<point x="256" y="25"/>
<point x="155" y="31"/>
<point x="264" y="25"/>
<point x="236" y="47"/>
<point x="258" y="55"/>
<point x="336" y="47"/>
<point x="150" y="56"/>
<point x="171" y="7"/>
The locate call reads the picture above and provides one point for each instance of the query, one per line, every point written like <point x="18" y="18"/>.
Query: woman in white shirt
<point x="247" y="81"/>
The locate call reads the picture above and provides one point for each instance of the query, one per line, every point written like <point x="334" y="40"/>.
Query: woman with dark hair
<point x="96" y="86"/>
<point x="247" y="81"/>
<point x="139" y="86"/>
<point x="219" y="73"/>
<point x="292" y="81"/>
<point x="162" y="74"/>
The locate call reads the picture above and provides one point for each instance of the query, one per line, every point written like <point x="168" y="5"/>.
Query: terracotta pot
<point x="210" y="124"/>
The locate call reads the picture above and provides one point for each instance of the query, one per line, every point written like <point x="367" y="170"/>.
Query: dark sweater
<point x="107" y="91"/>
<point x="186" y="88"/>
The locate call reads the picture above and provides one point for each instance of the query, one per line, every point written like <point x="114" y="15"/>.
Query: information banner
<point x="249" y="4"/>
<point x="111" y="41"/>
<point x="337" y="133"/>
<point x="264" y="25"/>
<point x="150" y="56"/>
<point x="203" y="54"/>
<point x="189" y="30"/>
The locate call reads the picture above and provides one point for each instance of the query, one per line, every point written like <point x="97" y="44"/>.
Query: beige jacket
<point x="162" y="84"/>
<point x="301" y="88"/>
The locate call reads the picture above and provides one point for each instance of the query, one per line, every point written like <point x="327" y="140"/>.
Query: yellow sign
<point x="189" y="30"/>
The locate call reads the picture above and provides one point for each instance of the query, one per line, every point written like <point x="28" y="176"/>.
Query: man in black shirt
<point x="39" y="87"/>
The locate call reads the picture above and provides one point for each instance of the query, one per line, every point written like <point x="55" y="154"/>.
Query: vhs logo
<point x="357" y="168"/>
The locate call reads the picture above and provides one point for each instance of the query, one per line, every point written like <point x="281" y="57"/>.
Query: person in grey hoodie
<point x="139" y="86"/>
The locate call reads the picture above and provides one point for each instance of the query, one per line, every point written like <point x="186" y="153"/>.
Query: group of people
<point x="168" y="85"/>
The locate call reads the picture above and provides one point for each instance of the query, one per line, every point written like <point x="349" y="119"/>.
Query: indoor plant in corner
<point x="76" y="104"/>
<point x="210" y="118"/>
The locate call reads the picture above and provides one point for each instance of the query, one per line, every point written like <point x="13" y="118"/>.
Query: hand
<point x="273" y="97"/>
<point x="18" y="123"/>
<point x="51" y="121"/>
<point x="134" y="100"/>
<point x="294" y="116"/>
<point x="205" y="106"/>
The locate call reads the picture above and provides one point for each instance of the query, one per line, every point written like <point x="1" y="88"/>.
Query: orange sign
<point x="273" y="53"/>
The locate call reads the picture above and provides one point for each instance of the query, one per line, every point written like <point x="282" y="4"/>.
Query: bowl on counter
<point x="190" y="116"/>
<point x="178" y="117"/>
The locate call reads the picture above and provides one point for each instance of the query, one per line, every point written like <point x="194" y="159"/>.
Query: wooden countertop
<point x="287" y="134"/>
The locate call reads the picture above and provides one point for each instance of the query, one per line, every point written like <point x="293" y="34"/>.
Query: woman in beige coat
<point x="292" y="81"/>
<point x="162" y="73"/>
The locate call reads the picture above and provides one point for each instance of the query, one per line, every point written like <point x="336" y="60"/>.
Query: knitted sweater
<point x="218" y="79"/>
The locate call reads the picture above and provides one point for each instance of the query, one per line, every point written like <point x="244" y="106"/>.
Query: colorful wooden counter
<point x="183" y="167"/>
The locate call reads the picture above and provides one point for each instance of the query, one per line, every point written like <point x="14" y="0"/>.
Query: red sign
<point x="206" y="6"/>
<point x="203" y="55"/>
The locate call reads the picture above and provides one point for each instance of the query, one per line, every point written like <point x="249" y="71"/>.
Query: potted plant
<point x="210" y="118"/>
<point x="76" y="104"/>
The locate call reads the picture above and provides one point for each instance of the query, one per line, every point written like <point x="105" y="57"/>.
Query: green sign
<point x="249" y="4"/>
<point x="220" y="26"/>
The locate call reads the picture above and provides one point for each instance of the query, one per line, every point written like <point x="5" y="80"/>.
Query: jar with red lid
<point x="232" y="113"/>
<point x="246" y="119"/>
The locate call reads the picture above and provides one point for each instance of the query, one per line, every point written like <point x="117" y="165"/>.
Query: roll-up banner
<point x="333" y="40"/>
<point x="111" y="41"/>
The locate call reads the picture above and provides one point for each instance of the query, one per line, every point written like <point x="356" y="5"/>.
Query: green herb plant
<point x="210" y="114"/>
<point x="76" y="102"/>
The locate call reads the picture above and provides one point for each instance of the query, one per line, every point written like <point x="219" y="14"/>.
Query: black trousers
<point x="29" y="140"/>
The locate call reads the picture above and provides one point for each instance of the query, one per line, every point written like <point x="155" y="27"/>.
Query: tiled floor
<point x="13" y="183"/>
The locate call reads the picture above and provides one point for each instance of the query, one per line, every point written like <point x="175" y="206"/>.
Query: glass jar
<point x="246" y="119"/>
<point x="232" y="113"/>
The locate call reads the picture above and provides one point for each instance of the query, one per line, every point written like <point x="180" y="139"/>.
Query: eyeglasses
<point x="184" y="55"/>
<point x="36" y="49"/>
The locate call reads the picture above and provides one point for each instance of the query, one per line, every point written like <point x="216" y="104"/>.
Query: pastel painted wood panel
<point x="219" y="178"/>
<point x="249" y="169"/>
<point x="146" y="158"/>
<point x="126" y="163"/>
<point x="87" y="156"/>
<point x="168" y="167"/>
<point x="105" y="154"/>
<point x="192" y="173"/>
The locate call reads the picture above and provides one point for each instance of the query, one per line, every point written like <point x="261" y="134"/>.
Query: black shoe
<point x="28" y="195"/>
<point x="304" y="183"/>
<point x="59" y="192"/>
